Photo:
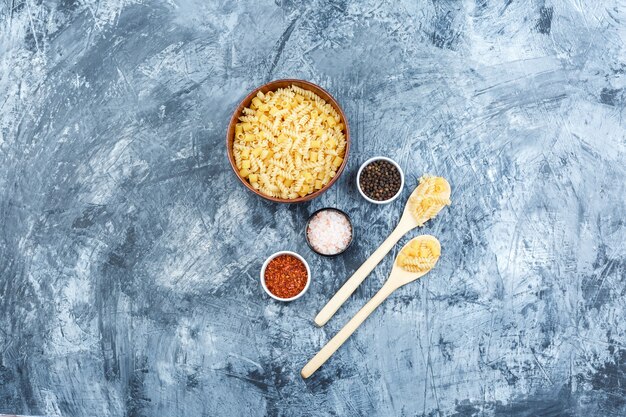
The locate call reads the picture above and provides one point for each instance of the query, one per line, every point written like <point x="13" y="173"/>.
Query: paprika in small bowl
<point x="285" y="276"/>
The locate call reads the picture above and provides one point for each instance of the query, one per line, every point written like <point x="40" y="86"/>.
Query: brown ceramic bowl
<point x="272" y="86"/>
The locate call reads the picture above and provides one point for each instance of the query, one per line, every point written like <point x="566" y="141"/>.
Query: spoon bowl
<point x="400" y="275"/>
<point x="427" y="200"/>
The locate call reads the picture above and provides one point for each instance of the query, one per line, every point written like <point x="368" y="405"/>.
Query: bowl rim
<point x="275" y="255"/>
<point x="369" y="161"/>
<point x="271" y="86"/>
<point x="306" y="229"/>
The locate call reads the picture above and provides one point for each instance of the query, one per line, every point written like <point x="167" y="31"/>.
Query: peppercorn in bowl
<point x="285" y="276"/>
<point x="380" y="180"/>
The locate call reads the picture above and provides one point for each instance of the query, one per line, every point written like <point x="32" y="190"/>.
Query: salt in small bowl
<point x="306" y="231"/>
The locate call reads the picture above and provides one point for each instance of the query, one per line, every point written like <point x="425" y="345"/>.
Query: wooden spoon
<point x="414" y="261"/>
<point x="430" y="196"/>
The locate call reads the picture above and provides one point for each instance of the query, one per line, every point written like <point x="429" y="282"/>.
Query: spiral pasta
<point x="430" y="196"/>
<point x="420" y="254"/>
<point x="289" y="142"/>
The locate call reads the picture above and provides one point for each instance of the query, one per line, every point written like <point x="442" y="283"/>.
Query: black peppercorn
<point x="380" y="180"/>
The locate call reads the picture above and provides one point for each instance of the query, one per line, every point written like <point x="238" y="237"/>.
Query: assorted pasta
<point x="289" y="143"/>
<point x="431" y="195"/>
<point x="420" y="254"/>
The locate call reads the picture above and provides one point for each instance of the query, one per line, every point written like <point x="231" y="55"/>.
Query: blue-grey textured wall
<point x="129" y="253"/>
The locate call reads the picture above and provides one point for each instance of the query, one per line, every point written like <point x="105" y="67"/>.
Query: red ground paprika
<point x="285" y="276"/>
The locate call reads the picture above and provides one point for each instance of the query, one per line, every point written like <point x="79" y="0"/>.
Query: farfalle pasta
<point x="289" y="143"/>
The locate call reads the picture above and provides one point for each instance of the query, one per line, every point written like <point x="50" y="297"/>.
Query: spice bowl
<point x="265" y="267"/>
<point x="338" y="221"/>
<point x="331" y="240"/>
<point x="385" y="161"/>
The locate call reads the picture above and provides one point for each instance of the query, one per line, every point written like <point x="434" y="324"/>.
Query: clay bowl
<point x="272" y="86"/>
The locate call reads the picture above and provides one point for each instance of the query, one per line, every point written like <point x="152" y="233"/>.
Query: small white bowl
<point x="380" y="158"/>
<point x="285" y="252"/>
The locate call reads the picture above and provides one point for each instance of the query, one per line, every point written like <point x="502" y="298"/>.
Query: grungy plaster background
<point x="129" y="253"/>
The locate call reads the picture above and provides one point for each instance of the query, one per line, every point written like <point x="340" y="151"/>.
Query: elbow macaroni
<point x="289" y="143"/>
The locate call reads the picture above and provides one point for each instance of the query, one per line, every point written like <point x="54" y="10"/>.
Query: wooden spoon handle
<point x="357" y="278"/>
<point x="334" y="343"/>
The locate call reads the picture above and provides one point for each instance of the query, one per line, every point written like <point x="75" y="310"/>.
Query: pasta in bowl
<point x="288" y="141"/>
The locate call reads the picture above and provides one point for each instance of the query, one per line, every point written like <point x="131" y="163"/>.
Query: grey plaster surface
<point x="129" y="253"/>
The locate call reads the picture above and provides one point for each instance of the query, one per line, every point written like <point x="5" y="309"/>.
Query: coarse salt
<point x="329" y="232"/>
